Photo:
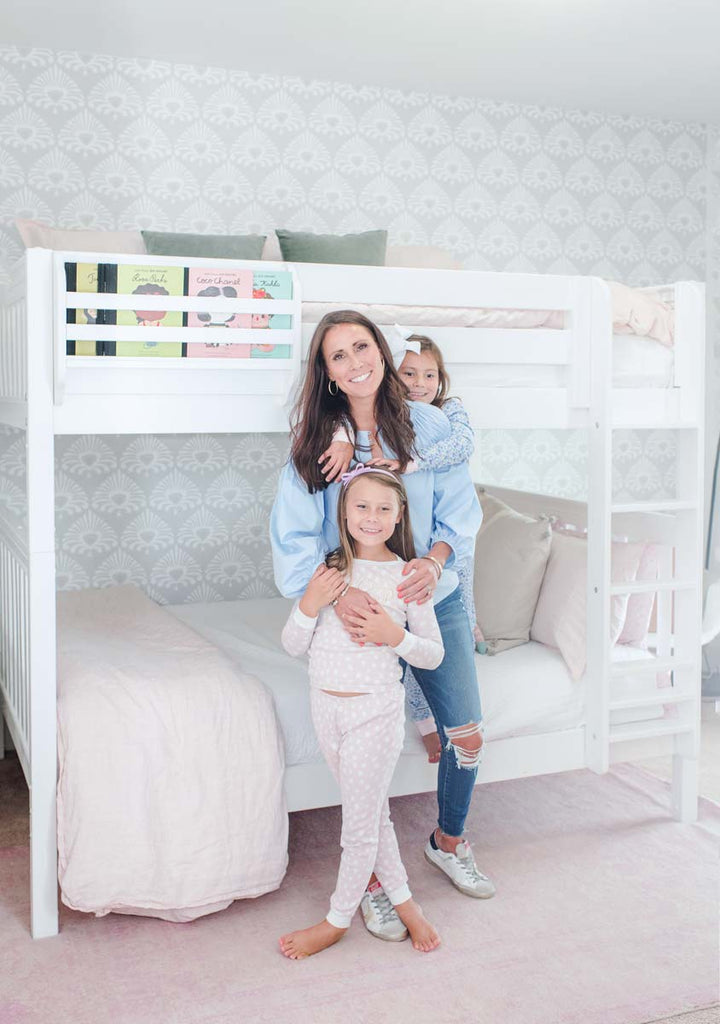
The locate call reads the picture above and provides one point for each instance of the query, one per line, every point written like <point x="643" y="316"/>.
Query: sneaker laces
<point x="382" y="906"/>
<point x="467" y="862"/>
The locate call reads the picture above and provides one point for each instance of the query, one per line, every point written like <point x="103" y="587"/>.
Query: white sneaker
<point x="380" y="916"/>
<point x="461" y="869"/>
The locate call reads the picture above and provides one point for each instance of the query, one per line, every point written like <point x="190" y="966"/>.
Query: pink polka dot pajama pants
<point x="361" y="739"/>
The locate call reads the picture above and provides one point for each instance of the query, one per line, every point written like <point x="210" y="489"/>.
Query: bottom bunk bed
<point x="533" y="712"/>
<point x="178" y="725"/>
<point x="185" y="731"/>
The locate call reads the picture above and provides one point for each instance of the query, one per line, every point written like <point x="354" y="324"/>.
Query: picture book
<point x="127" y="279"/>
<point x="83" y="277"/>
<point x="230" y="284"/>
<point x="268" y="284"/>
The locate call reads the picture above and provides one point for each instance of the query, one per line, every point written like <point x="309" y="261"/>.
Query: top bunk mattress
<point x="634" y="312"/>
<point x="524" y="691"/>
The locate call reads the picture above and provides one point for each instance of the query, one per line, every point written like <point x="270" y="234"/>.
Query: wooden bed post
<point x="41" y="596"/>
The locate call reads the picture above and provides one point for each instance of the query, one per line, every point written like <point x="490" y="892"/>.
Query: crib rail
<point x="13" y="349"/>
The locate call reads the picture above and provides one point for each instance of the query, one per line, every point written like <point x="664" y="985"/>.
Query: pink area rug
<point x="606" y="913"/>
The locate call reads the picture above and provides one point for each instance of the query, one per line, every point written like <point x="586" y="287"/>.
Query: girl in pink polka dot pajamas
<point x="357" y="697"/>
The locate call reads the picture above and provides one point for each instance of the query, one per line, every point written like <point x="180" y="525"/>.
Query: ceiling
<point x="654" y="59"/>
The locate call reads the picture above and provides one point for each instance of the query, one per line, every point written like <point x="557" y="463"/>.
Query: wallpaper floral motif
<point x="97" y="141"/>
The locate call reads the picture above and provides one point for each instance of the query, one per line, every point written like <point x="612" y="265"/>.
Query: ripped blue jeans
<point x="452" y="692"/>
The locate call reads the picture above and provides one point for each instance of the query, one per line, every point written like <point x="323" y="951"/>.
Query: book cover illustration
<point x="231" y="284"/>
<point x="82" y="277"/>
<point x="144" y="280"/>
<point x="269" y="284"/>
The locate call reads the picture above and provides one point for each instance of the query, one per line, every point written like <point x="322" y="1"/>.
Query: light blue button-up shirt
<point x="443" y="507"/>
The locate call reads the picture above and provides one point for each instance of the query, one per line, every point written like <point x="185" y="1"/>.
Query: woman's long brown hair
<point x="401" y="542"/>
<point x="317" y="413"/>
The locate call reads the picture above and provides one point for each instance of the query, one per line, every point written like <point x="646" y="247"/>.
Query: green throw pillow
<point x="221" y="247"/>
<point x="366" y="249"/>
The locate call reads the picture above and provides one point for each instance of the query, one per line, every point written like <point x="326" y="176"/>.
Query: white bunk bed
<point x="44" y="392"/>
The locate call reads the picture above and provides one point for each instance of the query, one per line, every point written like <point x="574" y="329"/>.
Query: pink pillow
<point x="560" y="613"/>
<point x="640" y="313"/>
<point x="640" y="606"/>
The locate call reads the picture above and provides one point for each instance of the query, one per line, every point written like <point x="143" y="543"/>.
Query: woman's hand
<point x="337" y="459"/>
<point x="421" y="584"/>
<point x="373" y="625"/>
<point x="325" y="586"/>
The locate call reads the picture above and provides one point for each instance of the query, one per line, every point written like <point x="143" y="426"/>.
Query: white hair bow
<point x="399" y="344"/>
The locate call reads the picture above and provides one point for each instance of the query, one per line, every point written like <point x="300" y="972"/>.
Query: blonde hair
<point x="401" y="542"/>
<point x="429" y="346"/>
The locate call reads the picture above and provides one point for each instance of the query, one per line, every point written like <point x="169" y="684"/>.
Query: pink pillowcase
<point x="640" y="606"/>
<point x="559" y="619"/>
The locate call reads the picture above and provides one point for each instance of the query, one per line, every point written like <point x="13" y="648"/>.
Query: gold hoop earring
<point x="330" y="383"/>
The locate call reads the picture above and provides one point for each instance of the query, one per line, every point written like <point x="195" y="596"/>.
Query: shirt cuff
<point x="406" y="644"/>
<point x="303" y="620"/>
<point x="449" y="538"/>
<point x="425" y="726"/>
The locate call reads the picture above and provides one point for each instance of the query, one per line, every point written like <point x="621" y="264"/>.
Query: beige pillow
<point x="511" y="553"/>
<point x="36" y="235"/>
<point x="421" y="257"/>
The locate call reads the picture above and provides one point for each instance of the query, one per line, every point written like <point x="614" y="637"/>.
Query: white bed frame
<point x="43" y="392"/>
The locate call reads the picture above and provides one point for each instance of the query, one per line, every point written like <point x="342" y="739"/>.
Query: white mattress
<point x="524" y="691"/>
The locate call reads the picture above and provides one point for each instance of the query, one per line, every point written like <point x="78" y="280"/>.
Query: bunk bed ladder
<point x="673" y="679"/>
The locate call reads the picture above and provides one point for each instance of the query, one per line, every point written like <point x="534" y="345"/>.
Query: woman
<point x="351" y="380"/>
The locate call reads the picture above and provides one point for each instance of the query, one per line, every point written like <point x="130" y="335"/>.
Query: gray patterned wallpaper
<point x="186" y="517"/>
<point x="96" y="141"/>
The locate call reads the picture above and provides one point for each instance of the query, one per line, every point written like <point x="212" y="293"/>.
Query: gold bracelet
<point x="436" y="563"/>
<point x="347" y="587"/>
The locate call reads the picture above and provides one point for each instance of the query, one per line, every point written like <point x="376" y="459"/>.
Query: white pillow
<point x="421" y="257"/>
<point x="271" y="248"/>
<point x="36" y="235"/>
<point x="561" y="608"/>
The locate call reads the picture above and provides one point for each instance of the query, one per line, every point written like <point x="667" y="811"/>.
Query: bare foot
<point x="306" y="941"/>
<point x="422" y="934"/>
<point x="432" y="745"/>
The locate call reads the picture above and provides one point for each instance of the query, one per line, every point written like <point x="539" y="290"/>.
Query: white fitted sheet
<point x="524" y="691"/>
<point x="638" y="361"/>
